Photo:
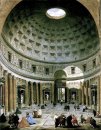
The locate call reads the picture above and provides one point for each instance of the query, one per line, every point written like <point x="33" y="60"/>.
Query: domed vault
<point x="31" y="33"/>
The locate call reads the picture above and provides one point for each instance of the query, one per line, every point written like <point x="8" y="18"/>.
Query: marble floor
<point x="47" y="119"/>
<point x="46" y="122"/>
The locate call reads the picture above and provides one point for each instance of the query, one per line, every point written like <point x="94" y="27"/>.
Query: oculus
<point x="55" y="13"/>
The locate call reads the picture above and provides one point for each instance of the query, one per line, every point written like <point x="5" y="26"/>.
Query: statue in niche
<point x="47" y="97"/>
<point x="73" y="96"/>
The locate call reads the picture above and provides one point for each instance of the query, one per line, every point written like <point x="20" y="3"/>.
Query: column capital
<point x="5" y="72"/>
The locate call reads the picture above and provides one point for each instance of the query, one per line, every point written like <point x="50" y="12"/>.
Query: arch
<point x="6" y="8"/>
<point x="60" y="74"/>
<point x="91" y="6"/>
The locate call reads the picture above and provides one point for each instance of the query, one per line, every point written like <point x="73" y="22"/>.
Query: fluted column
<point x="68" y="97"/>
<point x="98" y="94"/>
<point x="6" y="92"/>
<point x="10" y="93"/>
<point x="31" y="92"/>
<point x="34" y="93"/>
<point x="80" y="96"/>
<point x="41" y="94"/>
<point x="3" y="94"/>
<point x="14" y="93"/>
<point x="90" y="98"/>
<point x="52" y="92"/>
<point x="86" y="85"/>
<point x="26" y="94"/>
<point x="37" y="93"/>
<point x="82" y="86"/>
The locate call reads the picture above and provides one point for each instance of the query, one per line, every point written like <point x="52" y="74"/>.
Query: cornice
<point x="26" y="75"/>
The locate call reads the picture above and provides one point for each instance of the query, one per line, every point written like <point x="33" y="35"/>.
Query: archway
<point x="73" y="95"/>
<point x="46" y="95"/>
<point x="21" y="96"/>
<point x="60" y="89"/>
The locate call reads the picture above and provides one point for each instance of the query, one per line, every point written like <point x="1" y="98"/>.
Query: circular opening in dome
<point x="55" y="13"/>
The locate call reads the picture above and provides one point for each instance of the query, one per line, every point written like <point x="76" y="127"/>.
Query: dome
<point x="30" y="32"/>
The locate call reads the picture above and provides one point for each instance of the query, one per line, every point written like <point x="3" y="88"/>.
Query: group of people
<point x="71" y="121"/>
<point x="62" y="120"/>
<point x="14" y="121"/>
<point x="67" y="107"/>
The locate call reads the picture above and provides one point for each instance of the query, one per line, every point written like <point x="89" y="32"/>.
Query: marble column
<point x="90" y="98"/>
<point x="52" y="92"/>
<point x="31" y="92"/>
<point x="86" y="85"/>
<point x="10" y="92"/>
<point x="34" y="93"/>
<point x="79" y="96"/>
<point x="14" y="92"/>
<point x="37" y="93"/>
<point x="41" y="94"/>
<point x="98" y="94"/>
<point x="6" y="92"/>
<point x="82" y="88"/>
<point x="68" y="97"/>
<point x="66" y="94"/>
<point x="26" y="95"/>
<point x="3" y="94"/>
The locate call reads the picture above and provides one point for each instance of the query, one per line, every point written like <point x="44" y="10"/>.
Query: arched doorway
<point x="73" y="95"/>
<point x="21" y="96"/>
<point x="93" y="95"/>
<point x="46" y="95"/>
<point x="60" y="89"/>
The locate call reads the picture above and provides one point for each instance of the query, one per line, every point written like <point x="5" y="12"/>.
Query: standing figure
<point x="94" y="112"/>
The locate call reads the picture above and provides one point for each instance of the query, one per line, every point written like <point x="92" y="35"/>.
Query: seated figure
<point x="35" y="113"/>
<point x="16" y="120"/>
<point x="59" y="120"/>
<point x="30" y="119"/>
<point x="93" y="123"/>
<point x="3" y="118"/>
<point x="39" y="113"/>
<point x="98" y="115"/>
<point x="74" y="121"/>
<point x="83" y="120"/>
<point x="69" y="121"/>
<point x="23" y="123"/>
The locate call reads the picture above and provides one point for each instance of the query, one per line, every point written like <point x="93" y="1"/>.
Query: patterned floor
<point x="47" y="120"/>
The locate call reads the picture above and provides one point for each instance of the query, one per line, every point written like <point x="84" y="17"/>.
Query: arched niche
<point x="60" y="90"/>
